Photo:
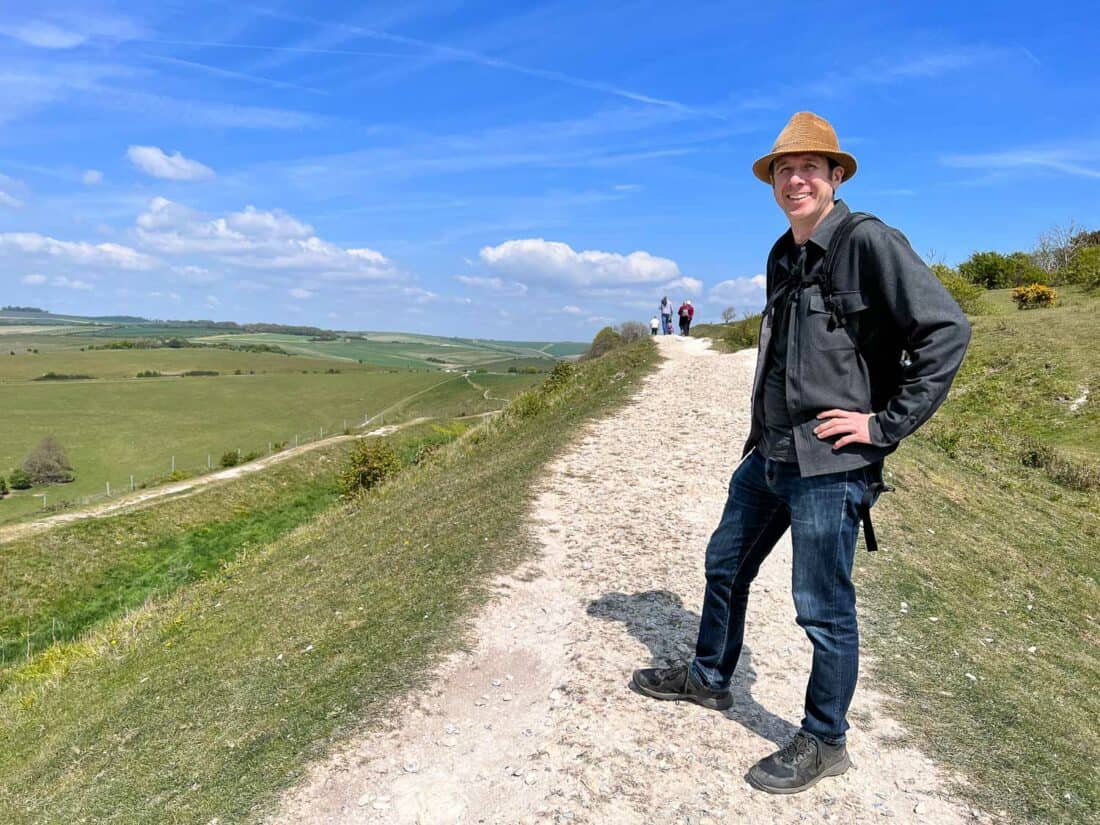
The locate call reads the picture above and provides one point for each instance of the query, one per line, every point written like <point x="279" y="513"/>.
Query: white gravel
<point x="536" y="723"/>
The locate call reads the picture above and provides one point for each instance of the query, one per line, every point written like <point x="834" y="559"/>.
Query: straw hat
<point x="806" y="132"/>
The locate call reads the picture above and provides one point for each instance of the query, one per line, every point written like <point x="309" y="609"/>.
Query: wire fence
<point x="186" y="465"/>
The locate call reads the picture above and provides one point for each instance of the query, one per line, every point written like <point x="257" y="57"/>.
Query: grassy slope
<point x="114" y="564"/>
<point x="206" y="703"/>
<point x="1005" y="560"/>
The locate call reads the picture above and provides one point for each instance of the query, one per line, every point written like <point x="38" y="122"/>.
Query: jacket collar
<point x="820" y="237"/>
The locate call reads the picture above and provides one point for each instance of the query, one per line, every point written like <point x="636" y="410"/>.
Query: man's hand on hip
<point x="852" y="426"/>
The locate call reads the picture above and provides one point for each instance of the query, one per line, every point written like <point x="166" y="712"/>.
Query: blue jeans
<point x="766" y="497"/>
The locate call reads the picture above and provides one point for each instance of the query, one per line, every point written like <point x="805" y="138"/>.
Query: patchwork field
<point x="56" y="379"/>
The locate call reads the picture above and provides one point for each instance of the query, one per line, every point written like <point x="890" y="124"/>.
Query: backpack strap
<point x="839" y="241"/>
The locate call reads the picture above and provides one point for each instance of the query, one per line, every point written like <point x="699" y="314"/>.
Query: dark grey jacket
<point x="892" y="302"/>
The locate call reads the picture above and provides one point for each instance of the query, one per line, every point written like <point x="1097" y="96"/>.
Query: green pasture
<point x="115" y="364"/>
<point x="113" y="429"/>
<point x="404" y="350"/>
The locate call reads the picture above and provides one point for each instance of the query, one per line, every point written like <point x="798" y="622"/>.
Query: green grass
<point x="1006" y="560"/>
<point x="112" y="430"/>
<point x="206" y="703"/>
<point x="121" y="364"/>
<point x="114" y="564"/>
<point x="730" y="337"/>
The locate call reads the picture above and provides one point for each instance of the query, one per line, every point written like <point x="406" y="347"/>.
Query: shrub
<point x="1075" y="475"/>
<point x="562" y="374"/>
<point x="47" y="463"/>
<point x="230" y="458"/>
<point x="968" y="295"/>
<point x="199" y="372"/>
<point x="606" y="340"/>
<point x="1084" y="268"/>
<point x="1033" y="296"/>
<point x="148" y="374"/>
<point x="993" y="270"/>
<point x="632" y="331"/>
<point x="62" y="376"/>
<point x="19" y="479"/>
<point x="3" y="487"/>
<point x="251" y="455"/>
<point x="371" y="463"/>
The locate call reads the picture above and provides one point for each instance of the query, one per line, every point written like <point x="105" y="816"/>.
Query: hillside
<point x="210" y="696"/>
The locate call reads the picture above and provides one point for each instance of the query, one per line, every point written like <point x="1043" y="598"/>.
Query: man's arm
<point x="934" y="330"/>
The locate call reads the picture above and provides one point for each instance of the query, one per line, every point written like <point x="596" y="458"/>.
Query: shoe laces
<point x="664" y="674"/>
<point x="797" y="749"/>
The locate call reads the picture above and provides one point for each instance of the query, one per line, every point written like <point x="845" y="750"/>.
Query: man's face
<point x="804" y="187"/>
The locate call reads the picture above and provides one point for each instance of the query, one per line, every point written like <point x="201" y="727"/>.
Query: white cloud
<point x="571" y="309"/>
<point x="153" y="161"/>
<point x="7" y="187"/>
<point x="212" y="301"/>
<point x="34" y="280"/>
<point x="79" y="252"/>
<point x="55" y="34"/>
<point x="692" y="286"/>
<point x="298" y="292"/>
<point x="1070" y="160"/>
<point x="550" y="261"/>
<point x="91" y="177"/>
<point x="421" y="296"/>
<point x="70" y="283"/>
<point x="743" y="293"/>
<point x="494" y="284"/>
<point x="256" y="239"/>
<point x="196" y="274"/>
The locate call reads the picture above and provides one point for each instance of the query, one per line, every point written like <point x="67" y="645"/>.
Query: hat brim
<point x="762" y="167"/>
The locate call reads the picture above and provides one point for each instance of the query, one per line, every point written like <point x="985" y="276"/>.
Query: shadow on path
<point x="658" y="619"/>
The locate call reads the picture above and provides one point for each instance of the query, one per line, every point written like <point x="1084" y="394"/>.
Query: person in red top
<point x="686" y="313"/>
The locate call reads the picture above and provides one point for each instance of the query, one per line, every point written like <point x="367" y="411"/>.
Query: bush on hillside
<point x="370" y="464"/>
<point x="19" y="479"/>
<point x="47" y="463"/>
<point x="3" y="487"/>
<point x="230" y="458"/>
<point x="1084" y="268"/>
<point x="1034" y="296"/>
<point x="632" y="331"/>
<point x="968" y="295"/>
<point x="993" y="270"/>
<point x="606" y="340"/>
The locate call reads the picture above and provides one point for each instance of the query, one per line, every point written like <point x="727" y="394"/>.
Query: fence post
<point x="322" y="432"/>
<point x="108" y="488"/>
<point x="131" y="484"/>
<point x="173" y="464"/>
<point x="208" y="464"/>
<point x="295" y="439"/>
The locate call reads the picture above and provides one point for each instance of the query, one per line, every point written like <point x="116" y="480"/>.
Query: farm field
<point x="117" y="425"/>
<point x="112" y="429"/>
<point x="404" y="350"/>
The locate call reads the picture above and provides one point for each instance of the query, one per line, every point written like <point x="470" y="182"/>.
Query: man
<point x="686" y="313"/>
<point x="848" y="366"/>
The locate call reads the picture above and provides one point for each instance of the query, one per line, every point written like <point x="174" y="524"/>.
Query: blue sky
<point x="524" y="171"/>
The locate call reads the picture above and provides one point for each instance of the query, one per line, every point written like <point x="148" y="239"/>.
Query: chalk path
<point x="536" y="723"/>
